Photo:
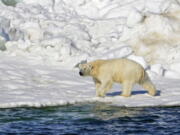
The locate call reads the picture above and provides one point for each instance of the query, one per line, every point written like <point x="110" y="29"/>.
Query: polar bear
<point x="124" y="71"/>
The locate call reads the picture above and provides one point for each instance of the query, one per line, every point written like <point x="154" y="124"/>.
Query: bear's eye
<point x="84" y="68"/>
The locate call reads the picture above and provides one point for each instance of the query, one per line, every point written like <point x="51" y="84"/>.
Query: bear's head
<point x="85" y="69"/>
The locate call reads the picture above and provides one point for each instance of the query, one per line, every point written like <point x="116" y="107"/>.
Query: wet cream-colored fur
<point x="124" y="71"/>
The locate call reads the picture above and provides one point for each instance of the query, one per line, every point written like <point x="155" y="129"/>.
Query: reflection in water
<point x="107" y="112"/>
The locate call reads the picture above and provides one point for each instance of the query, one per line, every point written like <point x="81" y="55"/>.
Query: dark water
<point x="90" y="119"/>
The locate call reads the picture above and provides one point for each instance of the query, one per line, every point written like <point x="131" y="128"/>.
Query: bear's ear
<point x="80" y="63"/>
<point x="77" y="65"/>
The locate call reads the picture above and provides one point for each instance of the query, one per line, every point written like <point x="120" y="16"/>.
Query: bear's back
<point x="121" y="69"/>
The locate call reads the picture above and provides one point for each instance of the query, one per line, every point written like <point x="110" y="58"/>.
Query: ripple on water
<point x="90" y="119"/>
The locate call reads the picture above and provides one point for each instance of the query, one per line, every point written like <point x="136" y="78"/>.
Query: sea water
<point x="90" y="119"/>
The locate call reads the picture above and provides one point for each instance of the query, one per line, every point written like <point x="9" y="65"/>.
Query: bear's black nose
<point x="80" y="73"/>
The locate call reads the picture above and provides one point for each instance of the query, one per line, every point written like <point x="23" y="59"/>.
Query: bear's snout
<point x="80" y="73"/>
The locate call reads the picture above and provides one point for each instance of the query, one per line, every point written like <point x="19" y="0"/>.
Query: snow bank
<point x="69" y="31"/>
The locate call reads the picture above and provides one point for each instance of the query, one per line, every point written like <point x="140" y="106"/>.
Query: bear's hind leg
<point x="127" y="88"/>
<point x="148" y="85"/>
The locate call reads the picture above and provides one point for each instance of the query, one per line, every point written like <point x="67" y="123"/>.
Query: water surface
<point x="90" y="119"/>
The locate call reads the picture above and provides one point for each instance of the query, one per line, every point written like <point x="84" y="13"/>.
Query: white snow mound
<point x="69" y="31"/>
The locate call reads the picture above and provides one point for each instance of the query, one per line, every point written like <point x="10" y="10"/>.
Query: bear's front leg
<point x="100" y="90"/>
<point x="103" y="88"/>
<point x="97" y="85"/>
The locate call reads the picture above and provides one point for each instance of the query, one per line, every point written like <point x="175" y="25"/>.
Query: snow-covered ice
<point x="25" y="83"/>
<point x="42" y="40"/>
